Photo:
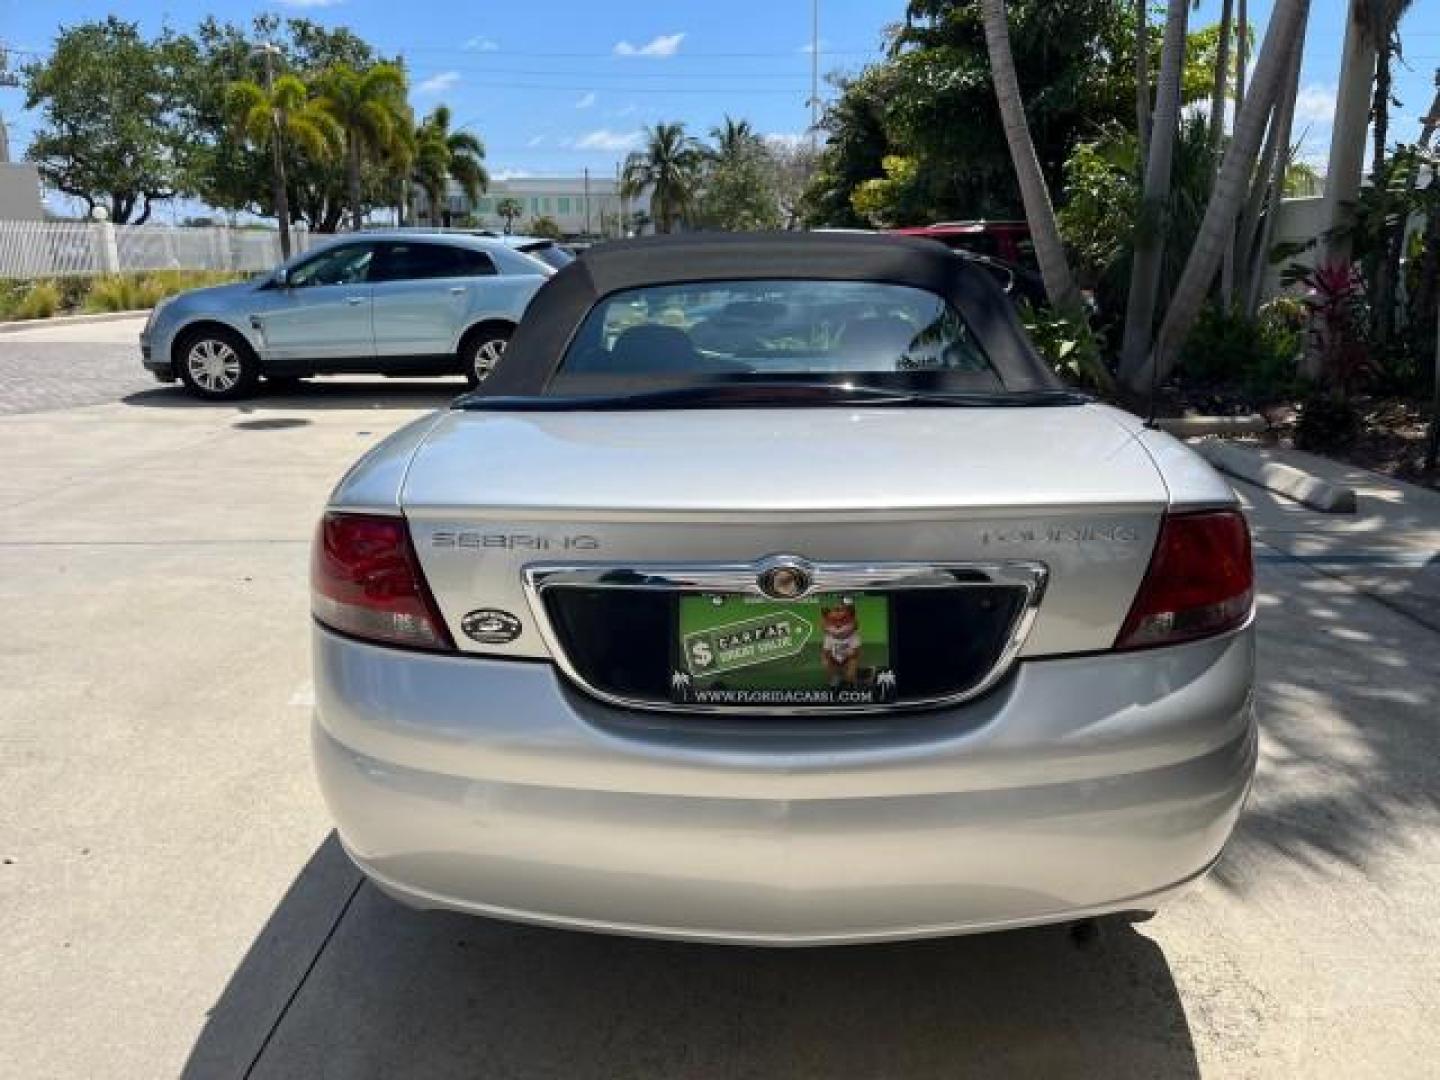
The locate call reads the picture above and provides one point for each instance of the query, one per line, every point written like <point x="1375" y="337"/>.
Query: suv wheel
<point x="481" y="351"/>
<point x="216" y="364"/>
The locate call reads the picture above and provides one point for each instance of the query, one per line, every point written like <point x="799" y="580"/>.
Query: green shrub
<point x="43" y="297"/>
<point x="1327" y="422"/>
<point x="134" y="292"/>
<point x="116" y="292"/>
<point x="1069" y="344"/>
<point x="1260" y="356"/>
<point x="41" y="300"/>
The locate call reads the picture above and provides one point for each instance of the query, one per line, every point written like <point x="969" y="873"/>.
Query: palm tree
<point x="268" y="119"/>
<point x="369" y="106"/>
<point x="442" y="155"/>
<point x="1039" y="210"/>
<point x="511" y="210"/>
<point x="669" y="167"/>
<point x="734" y="139"/>
<point x="1287" y="19"/>
<point x="1150" y="229"/>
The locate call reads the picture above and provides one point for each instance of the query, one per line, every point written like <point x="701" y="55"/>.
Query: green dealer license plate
<point x="827" y="649"/>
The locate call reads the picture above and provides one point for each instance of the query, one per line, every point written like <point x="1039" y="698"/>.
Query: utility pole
<point x="268" y="51"/>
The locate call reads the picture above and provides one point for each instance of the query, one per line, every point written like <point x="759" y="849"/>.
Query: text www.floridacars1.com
<point x="783" y="697"/>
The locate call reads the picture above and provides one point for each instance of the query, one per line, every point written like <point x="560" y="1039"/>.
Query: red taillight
<point x="365" y="581"/>
<point x="1201" y="581"/>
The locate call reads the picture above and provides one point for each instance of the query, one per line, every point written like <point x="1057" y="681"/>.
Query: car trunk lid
<point x="1067" y="487"/>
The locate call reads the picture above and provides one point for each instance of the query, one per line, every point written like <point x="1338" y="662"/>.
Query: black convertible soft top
<point x="557" y="310"/>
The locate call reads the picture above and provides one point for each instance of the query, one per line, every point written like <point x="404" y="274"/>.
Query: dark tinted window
<point x="343" y="264"/>
<point x="417" y="261"/>
<point x="788" y="329"/>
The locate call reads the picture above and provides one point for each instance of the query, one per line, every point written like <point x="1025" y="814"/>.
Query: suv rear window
<point x="676" y="334"/>
<point x="418" y="261"/>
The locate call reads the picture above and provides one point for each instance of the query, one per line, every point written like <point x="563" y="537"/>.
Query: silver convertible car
<point x="403" y="303"/>
<point x="773" y="591"/>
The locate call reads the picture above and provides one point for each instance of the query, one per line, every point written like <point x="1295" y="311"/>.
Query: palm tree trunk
<point x="1242" y="52"/>
<point x="1347" y="139"/>
<point x="1275" y="155"/>
<point x="1220" y="93"/>
<point x="1039" y="211"/>
<point x="352" y="170"/>
<point x="1256" y="231"/>
<point x="1150" y="230"/>
<point x="1142" y="75"/>
<point x="1287" y="19"/>
<point x="282" y="197"/>
<point x="1382" y="310"/>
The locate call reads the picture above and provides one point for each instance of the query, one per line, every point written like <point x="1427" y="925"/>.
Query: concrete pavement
<point x="174" y="901"/>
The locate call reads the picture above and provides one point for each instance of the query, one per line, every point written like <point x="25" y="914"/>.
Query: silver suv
<point x="401" y="303"/>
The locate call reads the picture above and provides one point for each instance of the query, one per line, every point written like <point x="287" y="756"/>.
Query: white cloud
<point x="628" y="110"/>
<point x="438" y="84"/>
<point x="481" y="43"/>
<point x="1315" y="104"/>
<point x="587" y="101"/>
<point x="512" y="174"/>
<point x="605" y="139"/>
<point x="661" y="46"/>
<point x="809" y="47"/>
<point x="535" y="140"/>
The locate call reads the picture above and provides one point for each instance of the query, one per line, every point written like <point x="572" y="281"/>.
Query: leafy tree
<point x="669" y="167"/>
<point x="546" y="226"/>
<point x="233" y="174"/>
<point x="791" y="163"/>
<point x="442" y="155"/>
<point x="369" y="107"/>
<point x="271" y="118"/>
<point x="854" y="152"/>
<point x="1075" y="63"/>
<point x="511" y="209"/>
<point x="109" y="104"/>
<point x="889" y="200"/>
<point x="737" y="190"/>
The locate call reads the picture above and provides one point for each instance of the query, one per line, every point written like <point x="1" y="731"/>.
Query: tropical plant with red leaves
<point x="1338" y="314"/>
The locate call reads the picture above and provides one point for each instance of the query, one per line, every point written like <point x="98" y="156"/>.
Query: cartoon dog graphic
<point x="842" y="645"/>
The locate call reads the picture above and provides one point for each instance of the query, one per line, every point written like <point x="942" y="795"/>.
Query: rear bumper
<point x="1078" y="786"/>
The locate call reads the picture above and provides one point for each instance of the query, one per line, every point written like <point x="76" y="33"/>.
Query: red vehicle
<point x="1008" y="241"/>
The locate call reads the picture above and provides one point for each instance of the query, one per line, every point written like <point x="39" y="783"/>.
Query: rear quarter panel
<point x="503" y="298"/>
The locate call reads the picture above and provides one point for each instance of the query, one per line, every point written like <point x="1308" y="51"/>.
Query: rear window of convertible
<point x="714" y="331"/>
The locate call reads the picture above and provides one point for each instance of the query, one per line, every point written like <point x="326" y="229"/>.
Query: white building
<point x="580" y="206"/>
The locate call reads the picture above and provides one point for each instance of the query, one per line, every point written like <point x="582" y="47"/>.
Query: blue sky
<point x="555" y="86"/>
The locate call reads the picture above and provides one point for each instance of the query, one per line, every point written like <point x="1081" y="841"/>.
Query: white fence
<point x="53" y="248"/>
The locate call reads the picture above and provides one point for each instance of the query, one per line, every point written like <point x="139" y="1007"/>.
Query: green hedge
<point x="41" y="298"/>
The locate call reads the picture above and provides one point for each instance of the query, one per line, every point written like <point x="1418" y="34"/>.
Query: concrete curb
<point x="70" y="320"/>
<point x="1189" y="427"/>
<point x="1293" y="483"/>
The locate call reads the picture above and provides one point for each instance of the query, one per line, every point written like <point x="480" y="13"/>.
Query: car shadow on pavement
<point x="343" y="981"/>
<point x="326" y="393"/>
<point x="1347" y="694"/>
